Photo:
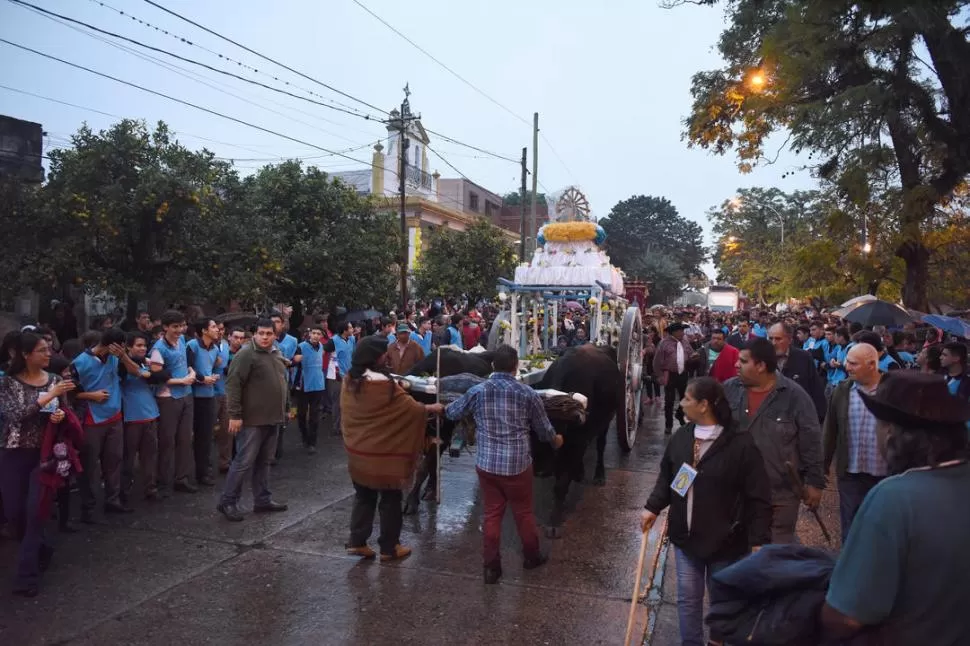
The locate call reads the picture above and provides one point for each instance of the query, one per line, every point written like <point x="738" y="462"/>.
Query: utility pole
<point x="405" y="119"/>
<point x="535" y="176"/>
<point x="522" y="236"/>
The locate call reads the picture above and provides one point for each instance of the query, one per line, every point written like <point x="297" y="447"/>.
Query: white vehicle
<point x="723" y="298"/>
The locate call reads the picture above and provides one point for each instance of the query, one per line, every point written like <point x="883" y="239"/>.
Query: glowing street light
<point x="732" y="239"/>
<point x="757" y="80"/>
<point x="866" y="248"/>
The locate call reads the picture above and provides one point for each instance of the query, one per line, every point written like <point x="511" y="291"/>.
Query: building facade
<point x="430" y="200"/>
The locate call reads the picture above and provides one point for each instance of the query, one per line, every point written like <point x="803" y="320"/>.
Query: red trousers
<point x="516" y="492"/>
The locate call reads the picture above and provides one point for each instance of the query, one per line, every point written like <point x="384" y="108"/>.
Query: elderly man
<point x="670" y="366"/>
<point x="781" y="417"/>
<point x="849" y="435"/>
<point x="404" y="352"/>
<point x="902" y="573"/>
<point x="798" y="365"/>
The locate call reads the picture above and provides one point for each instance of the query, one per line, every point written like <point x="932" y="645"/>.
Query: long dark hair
<point x="28" y="342"/>
<point x="710" y="390"/>
<point x="9" y="348"/>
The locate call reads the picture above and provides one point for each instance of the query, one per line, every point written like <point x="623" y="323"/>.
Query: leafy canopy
<point x="464" y="263"/>
<point x="649" y="240"/>
<point x="872" y="90"/>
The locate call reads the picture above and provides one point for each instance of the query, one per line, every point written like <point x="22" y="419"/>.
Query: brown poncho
<point x="383" y="434"/>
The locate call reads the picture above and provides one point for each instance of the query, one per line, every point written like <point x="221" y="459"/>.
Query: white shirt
<point x="680" y="358"/>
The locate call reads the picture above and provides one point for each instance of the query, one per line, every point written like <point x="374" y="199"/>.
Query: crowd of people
<point x="158" y="407"/>
<point x="768" y="404"/>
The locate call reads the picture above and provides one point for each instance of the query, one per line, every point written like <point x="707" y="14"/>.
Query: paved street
<point x="176" y="573"/>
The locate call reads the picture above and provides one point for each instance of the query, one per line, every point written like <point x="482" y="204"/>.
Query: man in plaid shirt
<point x="505" y="411"/>
<point x="851" y="435"/>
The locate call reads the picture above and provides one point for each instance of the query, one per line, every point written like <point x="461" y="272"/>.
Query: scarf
<point x="383" y="436"/>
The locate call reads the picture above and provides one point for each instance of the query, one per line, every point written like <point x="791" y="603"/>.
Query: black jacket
<point x="800" y="368"/>
<point x="732" y="496"/>
<point x="772" y="597"/>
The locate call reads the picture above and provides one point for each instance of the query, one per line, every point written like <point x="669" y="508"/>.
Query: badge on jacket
<point x="683" y="480"/>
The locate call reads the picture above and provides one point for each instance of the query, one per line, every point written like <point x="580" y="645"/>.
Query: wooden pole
<point x="437" y="431"/>
<point x="636" y="590"/>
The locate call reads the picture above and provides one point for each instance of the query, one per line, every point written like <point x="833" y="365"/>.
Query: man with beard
<point x="901" y="576"/>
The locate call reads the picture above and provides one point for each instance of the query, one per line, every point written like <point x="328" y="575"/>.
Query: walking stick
<point x="636" y="590"/>
<point x="799" y="488"/>
<point x="437" y="431"/>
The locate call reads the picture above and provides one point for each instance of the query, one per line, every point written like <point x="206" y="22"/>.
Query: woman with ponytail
<point x="713" y="478"/>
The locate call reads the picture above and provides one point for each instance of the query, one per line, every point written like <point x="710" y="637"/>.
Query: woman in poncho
<point x="384" y="433"/>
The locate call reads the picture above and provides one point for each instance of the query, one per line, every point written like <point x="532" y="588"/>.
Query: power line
<point x="284" y="66"/>
<point x="186" y="41"/>
<point x="160" y="50"/>
<point x="266" y="58"/>
<point x="208" y="110"/>
<point x="178" y="133"/>
<point x="429" y="55"/>
<point x="198" y="78"/>
<point x="177" y="100"/>
<point x="556" y="155"/>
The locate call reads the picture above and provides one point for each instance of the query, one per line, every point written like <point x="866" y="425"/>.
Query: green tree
<point x="468" y="263"/>
<point x="514" y="199"/>
<point x="126" y="212"/>
<point x="641" y="229"/>
<point x="870" y="88"/>
<point x="316" y="241"/>
<point x="823" y="256"/>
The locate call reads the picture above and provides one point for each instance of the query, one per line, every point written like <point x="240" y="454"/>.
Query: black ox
<point x="592" y="371"/>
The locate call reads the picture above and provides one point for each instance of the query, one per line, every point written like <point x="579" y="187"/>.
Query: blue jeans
<point x="693" y="580"/>
<point x="853" y="488"/>
<point x="255" y="446"/>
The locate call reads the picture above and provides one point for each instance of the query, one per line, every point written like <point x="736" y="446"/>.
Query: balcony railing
<point x="417" y="178"/>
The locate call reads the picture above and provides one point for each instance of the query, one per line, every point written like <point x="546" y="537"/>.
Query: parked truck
<point x="723" y="298"/>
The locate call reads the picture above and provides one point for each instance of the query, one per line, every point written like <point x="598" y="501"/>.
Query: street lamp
<point x="757" y="80"/>
<point x="866" y="248"/>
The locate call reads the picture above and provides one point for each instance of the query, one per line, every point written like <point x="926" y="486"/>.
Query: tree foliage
<point x="464" y="263"/>
<point x="649" y="240"/>
<point x="132" y="213"/>
<point x="514" y="199"/>
<point x="823" y="257"/>
<point x="874" y="91"/>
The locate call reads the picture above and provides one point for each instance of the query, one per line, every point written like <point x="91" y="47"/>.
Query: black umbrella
<point x="360" y="315"/>
<point x="871" y="313"/>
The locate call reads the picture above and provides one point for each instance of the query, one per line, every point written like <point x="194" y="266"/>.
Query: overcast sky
<point x="610" y="81"/>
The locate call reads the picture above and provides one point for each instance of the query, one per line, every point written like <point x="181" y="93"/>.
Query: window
<point x="417" y="156"/>
<point x="488" y="209"/>
<point x="473" y="201"/>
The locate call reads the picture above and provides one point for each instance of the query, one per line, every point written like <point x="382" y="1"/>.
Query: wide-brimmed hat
<point x="916" y="400"/>
<point x="675" y="327"/>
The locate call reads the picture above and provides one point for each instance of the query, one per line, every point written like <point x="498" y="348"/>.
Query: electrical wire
<point x="177" y="100"/>
<point x="178" y="133"/>
<point x="203" y="80"/>
<point x="191" y="43"/>
<point x="192" y="61"/>
<point x="429" y="55"/>
<point x="266" y="58"/>
<point x="284" y="66"/>
<point x="556" y="155"/>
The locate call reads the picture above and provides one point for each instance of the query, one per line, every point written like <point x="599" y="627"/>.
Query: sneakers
<point x="363" y="551"/>
<point x="400" y="552"/>
<point x="269" y="507"/>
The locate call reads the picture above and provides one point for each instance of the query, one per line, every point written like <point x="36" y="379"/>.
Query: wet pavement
<point x="175" y="572"/>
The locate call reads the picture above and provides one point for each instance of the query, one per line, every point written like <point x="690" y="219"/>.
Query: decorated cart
<point x="571" y="271"/>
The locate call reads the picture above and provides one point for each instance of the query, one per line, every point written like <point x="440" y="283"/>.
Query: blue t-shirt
<point x="905" y="566"/>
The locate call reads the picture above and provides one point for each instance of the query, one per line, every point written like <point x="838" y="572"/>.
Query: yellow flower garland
<point x="569" y="231"/>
